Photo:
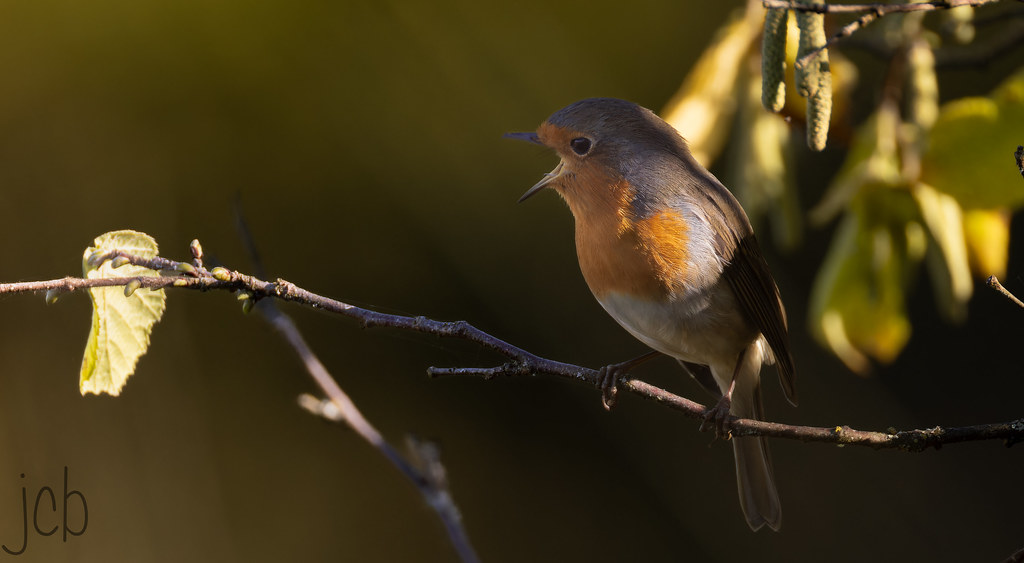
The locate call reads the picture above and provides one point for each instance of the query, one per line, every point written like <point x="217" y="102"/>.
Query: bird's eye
<point x="580" y="145"/>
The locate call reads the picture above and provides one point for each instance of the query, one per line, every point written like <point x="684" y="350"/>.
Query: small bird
<point x="669" y="253"/>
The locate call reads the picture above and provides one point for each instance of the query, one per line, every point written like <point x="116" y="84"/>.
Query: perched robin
<point x="671" y="256"/>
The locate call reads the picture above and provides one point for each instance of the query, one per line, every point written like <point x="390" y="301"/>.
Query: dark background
<point x="364" y="140"/>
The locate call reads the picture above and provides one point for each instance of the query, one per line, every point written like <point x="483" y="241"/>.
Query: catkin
<point x="773" y="60"/>
<point x="819" y="112"/>
<point x="923" y="85"/>
<point x="812" y="36"/>
<point x="814" y="79"/>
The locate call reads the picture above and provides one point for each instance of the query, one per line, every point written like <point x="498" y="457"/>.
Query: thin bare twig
<point x="1017" y="557"/>
<point x="428" y="475"/>
<point x="434" y="491"/>
<point x="846" y="31"/>
<point x="521" y="362"/>
<point x="993" y="282"/>
<point x="871" y="12"/>
<point x="879" y="9"/>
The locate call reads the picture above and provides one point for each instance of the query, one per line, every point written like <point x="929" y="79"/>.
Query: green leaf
<point x="763" y="163"/>
<point x="120" y="325"/>
<point x="987" y="233"/>
<point x="872" y="159"/>
<point x="858" y="304"/>
<point x="704" y="105"/>
<point x="948" y="264"/>
<point x="970" y="147"/>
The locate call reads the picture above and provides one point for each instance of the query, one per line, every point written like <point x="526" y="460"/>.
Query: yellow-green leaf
<point x="951" y="275"/>
<point x="872" y="159"/>
<point x="970" y="147"/>
<point x="120" y="325"/>
<point x="704" y="105"/>
<point x="764" y="163"/>
<point x="858" y="301"/>
<point x="987" y="232"/>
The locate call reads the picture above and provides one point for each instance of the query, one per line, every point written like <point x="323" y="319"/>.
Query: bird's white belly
<point x="704" y="328"/>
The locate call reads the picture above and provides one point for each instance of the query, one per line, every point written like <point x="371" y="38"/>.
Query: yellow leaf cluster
<point x="935" y="190"/>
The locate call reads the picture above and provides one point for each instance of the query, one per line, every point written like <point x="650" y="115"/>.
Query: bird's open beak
<point x="528" y="136"/>
<point x="531" y="137"/>
<point x="558" y="172"/>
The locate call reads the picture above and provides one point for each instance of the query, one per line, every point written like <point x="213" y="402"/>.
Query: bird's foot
<point x="608" y="380"/>
<point x="717" y="417"/>
<point x="609" y="376"/>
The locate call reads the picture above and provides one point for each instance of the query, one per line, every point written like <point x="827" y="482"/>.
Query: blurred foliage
<point x="707" y="100"/>
<point x="970" y="146"/>
<point x="960" y="163"/>
<point x="921" y="185"/>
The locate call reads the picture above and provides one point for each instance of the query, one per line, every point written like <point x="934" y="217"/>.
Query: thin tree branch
<point x="993" y="282"/>
<point x="846" y="31"/>
<point x="871" y="12"/>
<point x="426" y="472"/>
<point x="70" y="284"/>
<point x="908" y="440"/>
<point x="1017" y="557"/>
<point x="878" y="9"/>
<point x="522" y="362"/>
<point x="434" y="490"/>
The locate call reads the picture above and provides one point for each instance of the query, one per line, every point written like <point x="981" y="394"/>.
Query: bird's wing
<point x="755" y="289"/>
<point x="745" y="269"/>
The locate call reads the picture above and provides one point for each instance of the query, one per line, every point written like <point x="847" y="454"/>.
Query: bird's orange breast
<point x="664" y="239"/>
<point x="620" y="252"/>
